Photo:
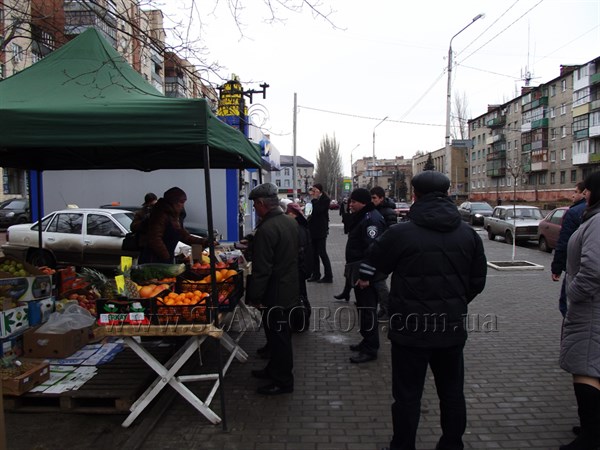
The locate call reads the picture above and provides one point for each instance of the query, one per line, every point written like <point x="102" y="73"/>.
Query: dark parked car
<point x="475" y="212"/>
<point x="14" y="211"/>
<point x="549" y="229"/>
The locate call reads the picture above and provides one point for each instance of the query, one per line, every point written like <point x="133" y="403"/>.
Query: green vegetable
<point x="155" y="271"/>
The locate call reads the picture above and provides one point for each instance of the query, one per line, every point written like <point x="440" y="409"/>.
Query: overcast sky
<point x="389" y="58"/>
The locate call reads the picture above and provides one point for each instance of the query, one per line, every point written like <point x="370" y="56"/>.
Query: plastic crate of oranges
<point x="184" y="307"/>
<point x="230" y="287"/>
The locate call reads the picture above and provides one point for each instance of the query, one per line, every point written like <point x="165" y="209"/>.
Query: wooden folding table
<point x="167" y="373"/>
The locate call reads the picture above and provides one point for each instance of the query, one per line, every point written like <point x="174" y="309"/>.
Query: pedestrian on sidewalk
<point x="366" y="226"/>
<point x="386" y="208"/>
<point x="580" y="344"/>
<point x="438" y="266"/>
<point x="274" y="286"/>
<point x="570" y="222"/>
<point x="318" y="225"/>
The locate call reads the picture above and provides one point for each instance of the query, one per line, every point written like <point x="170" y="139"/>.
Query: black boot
<point x="588" y="408"/>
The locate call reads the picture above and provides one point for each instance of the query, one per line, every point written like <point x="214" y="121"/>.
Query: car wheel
<point x="543" y="245"/>
<point x="22" y="220"/>
<point x="491" y="236"/>
<point x="508" y="237"/>
<point x="38" y="259"/>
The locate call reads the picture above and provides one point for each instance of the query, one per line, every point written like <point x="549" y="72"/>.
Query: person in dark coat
<point x="386" y="208"/>
<point x="580" y="344"/>
<point x="367" y="224"/>
<point x="438" y="267"/>
<point x="318" y="225"/>
<point x="141" y="215"/>
<point x="165" y="229"/>
<point x="570" y="222"/>
<point x="274" y="285"/>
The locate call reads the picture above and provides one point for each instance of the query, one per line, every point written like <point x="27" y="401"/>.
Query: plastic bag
<point x="74" y="317"/>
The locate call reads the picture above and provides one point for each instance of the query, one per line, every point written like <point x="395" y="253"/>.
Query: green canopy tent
<point x="83" y="107"/>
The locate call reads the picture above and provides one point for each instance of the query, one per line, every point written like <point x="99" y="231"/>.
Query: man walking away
<point x="438" y="266"/>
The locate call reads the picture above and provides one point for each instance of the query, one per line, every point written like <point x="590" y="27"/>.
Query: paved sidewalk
<point x="518" y="397"/>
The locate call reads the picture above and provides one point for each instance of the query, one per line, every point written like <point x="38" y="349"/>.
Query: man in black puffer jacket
<point x="438" y="266"/>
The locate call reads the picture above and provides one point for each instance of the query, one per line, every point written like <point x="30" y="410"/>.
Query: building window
<point x="563" y="131"/>
<point x="562" y="177"/>
<point x="552" y="113"/>
<point x="542" y="178"/>
<point x="553" y="90"/>
<point x="563" y="109"/>
<point x="553" y="156"/>
<point x="278" y="183"/>
<point x="13" y="181"/>
<point x="516" y="106"/>
<point x="563" y="85"/>
<point x="552" y="178"/>
<point x="17" y="52"/>
<point x="553" y="133"/>
<point x="286" y="183"/>
<point x="287" y="172"/>
<point x="573" y="176"/>
<point x="563" y="154"/>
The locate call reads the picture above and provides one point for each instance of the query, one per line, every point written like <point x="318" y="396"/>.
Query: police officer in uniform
<point x="366" y="224"/>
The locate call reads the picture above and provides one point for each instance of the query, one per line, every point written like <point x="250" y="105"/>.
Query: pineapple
<point x="106" y="287"/>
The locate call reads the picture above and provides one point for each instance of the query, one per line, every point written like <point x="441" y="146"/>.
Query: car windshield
<point x="15" y="204"/>
<point x="525" y="213"/>
<point x="124" y="219"/>
<point x="481" y="207"/>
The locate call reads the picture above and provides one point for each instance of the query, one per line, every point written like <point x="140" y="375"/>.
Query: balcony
<point x="496" y="156"/>
<point x="595" y="105"/>
<point x="498" y="172"/>
<point x="526" y="148"/>
<point x="496" y="122"/>
<point x="526" y="127"/>
<point x="540" y="123"/>
<point x="581" y="134"/>
<point x="496" y="138"/>
<point x="595" y="78"/>
<point x="595" y="131"/>
<point x="542" y="101"/>
<point x="541" y="166"/>
<point x="581" y="110"/>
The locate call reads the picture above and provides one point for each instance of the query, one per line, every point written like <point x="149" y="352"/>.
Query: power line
<point x="356" y="116"/>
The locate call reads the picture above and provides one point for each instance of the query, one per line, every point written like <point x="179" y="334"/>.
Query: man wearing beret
<point x="366" y="224"/>
<point x="274" y="286"/>
<point x="438" y="267"/>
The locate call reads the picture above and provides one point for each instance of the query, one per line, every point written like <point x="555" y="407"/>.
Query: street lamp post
<point x="373" y="165"/>
<point x="447" y="158"/>
<point x="351" y="167"/>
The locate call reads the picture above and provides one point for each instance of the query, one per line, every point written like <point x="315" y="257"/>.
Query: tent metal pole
<point x="38" y="176"/>
<point x="214" y="297"/>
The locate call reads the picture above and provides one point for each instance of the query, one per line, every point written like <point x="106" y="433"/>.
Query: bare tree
<point x="29" y="23"/>
<point x="329" y="166"/>
<point x="518" y="167"/>
<point x="461" y="117"/>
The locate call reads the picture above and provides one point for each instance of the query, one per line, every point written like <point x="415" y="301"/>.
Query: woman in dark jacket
<point x="165" y="229"/>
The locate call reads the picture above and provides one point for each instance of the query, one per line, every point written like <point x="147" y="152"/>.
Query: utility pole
<point x="294" y="164"/>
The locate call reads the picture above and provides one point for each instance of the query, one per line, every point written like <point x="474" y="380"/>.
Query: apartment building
<point x="284" y="178"/>
<point x="31" y="29"/>
<point x="393" y="175"/>
<point x="538" y="145"/>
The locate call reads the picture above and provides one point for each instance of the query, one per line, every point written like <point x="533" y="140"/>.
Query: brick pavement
<point x="518" y="397"/>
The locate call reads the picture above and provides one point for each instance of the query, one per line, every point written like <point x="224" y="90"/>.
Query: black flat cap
<point x="431" y="181"/>
<point x="264" y="190"/>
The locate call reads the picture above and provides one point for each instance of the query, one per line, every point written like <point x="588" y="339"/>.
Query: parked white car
<point x="513" y="222"/>
<point x="82" y="237"/>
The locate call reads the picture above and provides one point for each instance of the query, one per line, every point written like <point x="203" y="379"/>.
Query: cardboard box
<point x="40" y="310"/>
<point x="51" y="345"/>
<point x="11" y="348"/>
<point x="14" y="320"/>
<point x="18" y="380"/>
<point x="15" y="290"/>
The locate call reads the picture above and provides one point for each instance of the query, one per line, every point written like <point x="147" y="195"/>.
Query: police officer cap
<point x="263" y="191"/>
<point x="431" y="181"/>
